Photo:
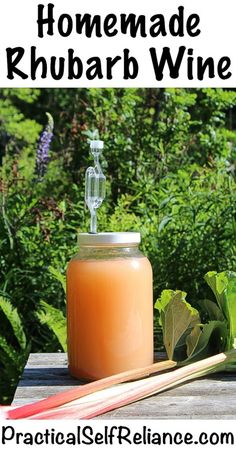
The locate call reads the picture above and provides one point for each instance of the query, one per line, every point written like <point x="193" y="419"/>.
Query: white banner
<point x="188" y="43"/>
<point x="118" y="433"/>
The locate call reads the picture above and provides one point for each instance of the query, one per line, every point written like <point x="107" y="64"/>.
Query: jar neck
<point x="108" y="251"/>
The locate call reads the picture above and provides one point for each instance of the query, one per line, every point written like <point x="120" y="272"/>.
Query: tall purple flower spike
<point x="42" y="154"/>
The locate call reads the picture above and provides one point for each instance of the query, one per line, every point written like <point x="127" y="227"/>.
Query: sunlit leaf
<point x="55" y="320"/>
<point x="177" y="318"/>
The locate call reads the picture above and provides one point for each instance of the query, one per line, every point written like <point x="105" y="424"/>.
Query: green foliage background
<point x="170" y="161"/>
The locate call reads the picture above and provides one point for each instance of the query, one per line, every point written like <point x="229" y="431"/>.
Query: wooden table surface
<point x="207" y="398"/>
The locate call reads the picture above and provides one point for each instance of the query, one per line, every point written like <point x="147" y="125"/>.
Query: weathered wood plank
<point x="208" y="398"/>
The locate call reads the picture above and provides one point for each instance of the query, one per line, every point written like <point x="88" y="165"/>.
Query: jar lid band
<point x="109" y="238"/>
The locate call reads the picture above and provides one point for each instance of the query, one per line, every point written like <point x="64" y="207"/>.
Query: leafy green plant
<point x="14" y="348"/>
<point x="185" y="337"/>
<point x="55" y="320"/>
<point x="177" y="318"/>
<point x="223" y="286"/>
<point x="58" y="276"/>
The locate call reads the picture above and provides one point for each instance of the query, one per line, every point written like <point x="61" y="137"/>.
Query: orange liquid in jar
<point x="109" y="316"/>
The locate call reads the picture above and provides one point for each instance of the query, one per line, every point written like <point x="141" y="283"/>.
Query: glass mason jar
<point x="109" y="306"/>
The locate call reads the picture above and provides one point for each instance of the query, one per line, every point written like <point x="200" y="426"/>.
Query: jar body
<point x="109" y="312"/>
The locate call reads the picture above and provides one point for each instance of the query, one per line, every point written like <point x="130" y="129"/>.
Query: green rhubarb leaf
<point x="193" y="339"/>
<point x="224" y="287"/>
<point x="212" y="309"/>
<point x="206" y="340"/>
<point x="178" y="318"/>
<point x="230" y="295"/>
<point x="166" y="297"/>
<point x="218" y="283"/>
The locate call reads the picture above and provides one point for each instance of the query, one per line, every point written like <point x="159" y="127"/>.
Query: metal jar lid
<point x="109" y="239"/>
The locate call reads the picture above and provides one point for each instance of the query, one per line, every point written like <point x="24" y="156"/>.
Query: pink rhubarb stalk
<point x="84" y="390"/>
<point x="139" y="389"/>
<point x="125" y="394"/>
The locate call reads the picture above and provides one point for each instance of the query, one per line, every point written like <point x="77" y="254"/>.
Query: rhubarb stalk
<point x="140" y="389"/>
<point x="84" y="390"/>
